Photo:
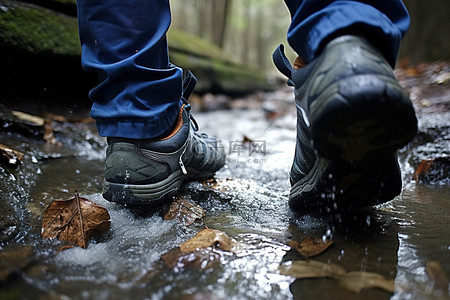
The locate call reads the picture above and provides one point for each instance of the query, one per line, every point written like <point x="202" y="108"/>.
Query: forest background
<point x="249" y="30"/>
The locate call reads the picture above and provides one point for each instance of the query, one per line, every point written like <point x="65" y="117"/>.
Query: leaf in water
<point x="356" y="281"/>
<point x="353" y="281"/>
<point x="29" y="118"/>
<point x="311" y="269"/>
<point x="310" y="247"/>
<point x="76" y="220"/>
<point x="12" y="260"/>
<point x="9" y="156"/>
<point x="437" y="273"/>
<point x="184" y="211"/>
<point x="436" y="170"/>
<point x="208" y="238"/>
<point x="177" y="260"/>
<point x="49" y="135"/>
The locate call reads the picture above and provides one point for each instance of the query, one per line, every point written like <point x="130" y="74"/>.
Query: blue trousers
<point x="139" y="92"/>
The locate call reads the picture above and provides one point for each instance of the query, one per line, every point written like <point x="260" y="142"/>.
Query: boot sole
<point x="357" y="126"/>
<point x="144" y="194"/>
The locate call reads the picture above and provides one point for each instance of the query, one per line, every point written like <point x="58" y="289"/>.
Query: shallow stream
<point x="397" y="240"/>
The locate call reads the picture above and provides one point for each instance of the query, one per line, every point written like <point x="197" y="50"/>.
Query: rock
<point x="9" y="222"/>
<point x="40" y="49"/>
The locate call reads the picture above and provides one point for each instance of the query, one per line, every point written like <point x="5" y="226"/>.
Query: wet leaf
<point x="76" y="220"/>
<point x="353" y="281"/>
<point x="177" y="260"/>
<point x="222" y="184"/>
<point x="356" y="281"/>
<point x="184" y="211"/>
<point x="12" y="260"/>
<point x="208" y="238"/>
<point x="49" y="135"/>
<point x="10" y="156"/>
<point x="55" y="117"/>
<point x="436" y="170"/>
<point x="29" y="118"/>
<point x="437" y="273"/>
<point x="311" y="269"/>
<point x="310" y="247"/>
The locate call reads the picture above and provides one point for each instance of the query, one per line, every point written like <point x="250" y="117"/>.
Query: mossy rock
<point x="51" y="37"/>
<point x="38" y="30"/>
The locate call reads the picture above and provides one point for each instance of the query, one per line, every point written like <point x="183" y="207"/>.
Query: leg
<point x="124" y="42"/>
<point x="141" y="102"/>
<point x="352" y="113"/>
<point x="315" y="23"/>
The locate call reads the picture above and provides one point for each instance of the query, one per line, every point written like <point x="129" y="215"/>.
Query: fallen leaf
<point x="356" y="281"/>
<point x="436" y="170"/>
<point x="177" y="260"/>
<point x="49" y="135"/>
<point x="12" y="260"/>
<point x="437" y="273"/>
<point x="310" y="247"/>
<point x="184" y="211"/>
<point x="10" y="156"/>
<point x="311" y="269"/>
<point x="28" y="118"/>
<point x="423" y="168"/>
<point x="55" y="117"/>
<point x="208" y="238"/>
<point x="353" y="281"/>
<point x="76" y="220"/>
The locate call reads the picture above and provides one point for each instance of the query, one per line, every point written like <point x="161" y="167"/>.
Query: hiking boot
<point x="352" y="117"/>
<point x="139" y="172"/>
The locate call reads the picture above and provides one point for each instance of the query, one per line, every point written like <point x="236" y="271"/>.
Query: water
<point x="396" y="239"/>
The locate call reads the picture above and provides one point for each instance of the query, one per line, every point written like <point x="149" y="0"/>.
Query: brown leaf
<point x="49" y="135"/>
<point x="208" y="238"/>
<point x="177" y="260"/>
<point x="310" y="247"/>
<point x="55" y="117"/>
<point x="437" y="273"/>
<point x="9" y="156"/>
<point x="311" y="269"/>
<point x="356" y="281"/>
<point x="36" y="120"/>
<point x="433" y="170"/>
<point x="423" y="168"/>
<point x="353" y="281"/>
<point x="76" y="220"/>
<point x="184" y="211"/>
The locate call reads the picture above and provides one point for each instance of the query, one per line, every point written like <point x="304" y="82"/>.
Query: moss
<point x="186" y="42"/>
<point x="38" y="30"/>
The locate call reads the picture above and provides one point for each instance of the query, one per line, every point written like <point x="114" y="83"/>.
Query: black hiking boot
<point x="352" y="117"/>
<point x="141" y="172"/>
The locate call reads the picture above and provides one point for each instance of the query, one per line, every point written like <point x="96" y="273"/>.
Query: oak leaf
<point x="310" y="247"/>
<point x="76" y="220"/>
<point x="185" y="211"/>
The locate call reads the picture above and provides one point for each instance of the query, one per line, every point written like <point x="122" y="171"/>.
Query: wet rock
<point x="9" y="223"/>
<point x="13" y="259"/>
